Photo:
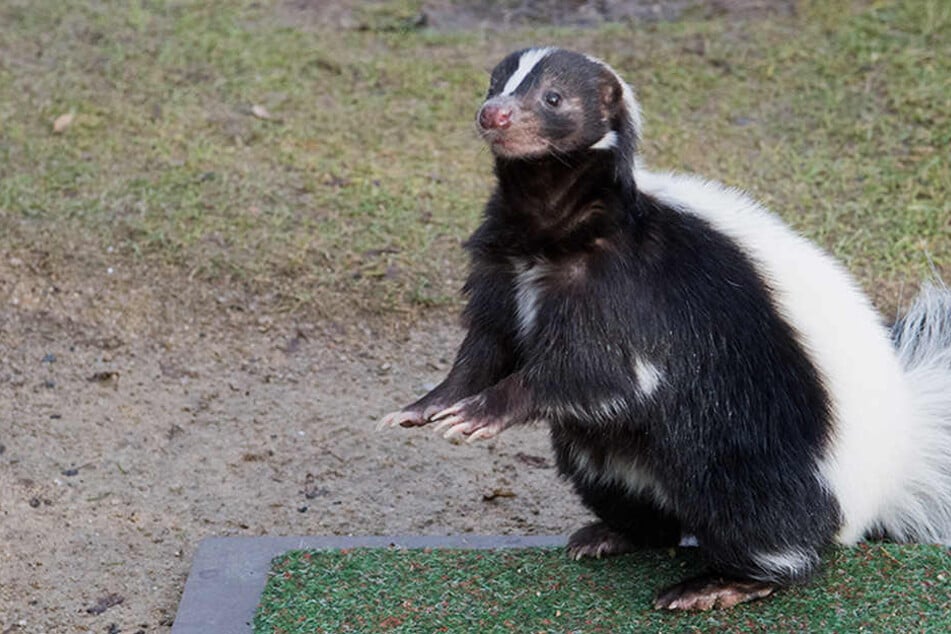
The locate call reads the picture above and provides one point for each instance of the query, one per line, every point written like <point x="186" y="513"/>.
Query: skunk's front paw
<point x="467" y="420"/>
<point x="402" y="418"/>
<point x="411" y="416"/>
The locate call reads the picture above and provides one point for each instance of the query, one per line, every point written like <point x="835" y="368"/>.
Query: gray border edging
<point x="228" y="573"/>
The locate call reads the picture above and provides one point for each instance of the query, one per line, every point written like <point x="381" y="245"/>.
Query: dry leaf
<point x="261" y="112"/>
<point x="62" y="122"/>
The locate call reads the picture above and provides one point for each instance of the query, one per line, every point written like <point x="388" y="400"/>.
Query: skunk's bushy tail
<point x="922" y="339"/>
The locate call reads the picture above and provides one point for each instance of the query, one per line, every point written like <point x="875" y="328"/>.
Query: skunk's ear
<point x="612" y="95"/>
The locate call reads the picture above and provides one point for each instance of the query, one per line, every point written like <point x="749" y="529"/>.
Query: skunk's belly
<point x="589" y="466"/>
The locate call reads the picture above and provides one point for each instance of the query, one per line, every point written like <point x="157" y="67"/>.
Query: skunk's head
<point x="548" y="101"/>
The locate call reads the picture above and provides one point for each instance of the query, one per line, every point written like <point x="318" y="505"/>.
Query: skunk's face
<point x="550" y="102"/>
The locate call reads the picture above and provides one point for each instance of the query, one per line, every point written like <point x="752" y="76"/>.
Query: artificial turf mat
<point x="869" y="588"/>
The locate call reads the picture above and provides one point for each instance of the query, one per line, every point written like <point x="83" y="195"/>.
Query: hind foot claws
<point x="597" y="540"/>
<point x="708" y="592"/>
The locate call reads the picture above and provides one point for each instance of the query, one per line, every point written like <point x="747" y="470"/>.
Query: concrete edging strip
<point x="228" y="574"/>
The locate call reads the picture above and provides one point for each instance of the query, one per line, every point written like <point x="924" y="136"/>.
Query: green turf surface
<point x="870" y="588"/>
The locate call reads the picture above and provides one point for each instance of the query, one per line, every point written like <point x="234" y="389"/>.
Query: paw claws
<point x="402" y="418"/>
<point x="456" y="431"/>
<point x="703" y="594"/>
<point x="446" y="423"/>
<point x="479" y="434"/>
<point x="452" y="410"/>
<point x="388" y="421"/>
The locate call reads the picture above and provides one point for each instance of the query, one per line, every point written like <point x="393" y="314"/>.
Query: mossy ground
<point x="871" y="588"/>
<point x="353" y="191"/>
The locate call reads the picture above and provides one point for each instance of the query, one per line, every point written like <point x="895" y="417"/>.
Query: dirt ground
<point x="133" y="426"/>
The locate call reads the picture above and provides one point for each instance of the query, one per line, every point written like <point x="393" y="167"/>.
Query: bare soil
<point x="132" y="426"/>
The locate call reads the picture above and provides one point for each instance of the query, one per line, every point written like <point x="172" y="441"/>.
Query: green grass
<point x="871" y="588"/>
<point x="356" y="194"/>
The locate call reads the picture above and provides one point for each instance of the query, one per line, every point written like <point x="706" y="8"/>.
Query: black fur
<point x="731" y="434"/>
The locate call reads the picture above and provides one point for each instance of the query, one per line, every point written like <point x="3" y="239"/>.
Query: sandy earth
<point x="130" y="428"/>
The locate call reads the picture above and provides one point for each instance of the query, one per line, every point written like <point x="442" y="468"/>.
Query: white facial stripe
<point x="526" y="63"/>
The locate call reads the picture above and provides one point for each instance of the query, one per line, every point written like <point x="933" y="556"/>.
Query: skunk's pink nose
<point x="495" y="116"/>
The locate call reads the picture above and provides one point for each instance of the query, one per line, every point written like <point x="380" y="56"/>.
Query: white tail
<point x="923" y="342"/>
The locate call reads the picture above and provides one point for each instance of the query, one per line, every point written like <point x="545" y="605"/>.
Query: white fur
<point x="648" y="377"/>
<point x="632" y="106"/>
<point x="790" y="563"/>
<point x="608" y="141"/>
<point x="872" y="459"/>
<point x="528" y="60"/>
<point x="529" y="275"/>
<point x="923" y="339"/>
<point x="615" y="469"/>
<point x="609" y="408"/>
<point x="602" y="411"/>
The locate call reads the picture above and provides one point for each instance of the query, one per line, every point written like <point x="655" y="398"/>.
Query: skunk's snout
<point x="495" y="116"/>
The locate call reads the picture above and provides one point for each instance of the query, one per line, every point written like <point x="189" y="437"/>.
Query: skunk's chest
<point x="530" y="279"/>
<point x="537" y="282"/>
<point x="573" y="323"/>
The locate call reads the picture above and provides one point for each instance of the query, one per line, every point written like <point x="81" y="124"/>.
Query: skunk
<point x="704" y="370"/>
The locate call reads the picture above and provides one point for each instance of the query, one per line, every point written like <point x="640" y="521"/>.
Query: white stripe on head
<point x="526" y="62"/>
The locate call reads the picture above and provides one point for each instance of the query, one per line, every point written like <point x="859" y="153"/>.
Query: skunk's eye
<point x="552" y="98"/>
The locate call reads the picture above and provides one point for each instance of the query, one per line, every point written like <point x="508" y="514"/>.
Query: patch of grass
<point x="871" y="588"/>
<point x="354" y="195"/>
